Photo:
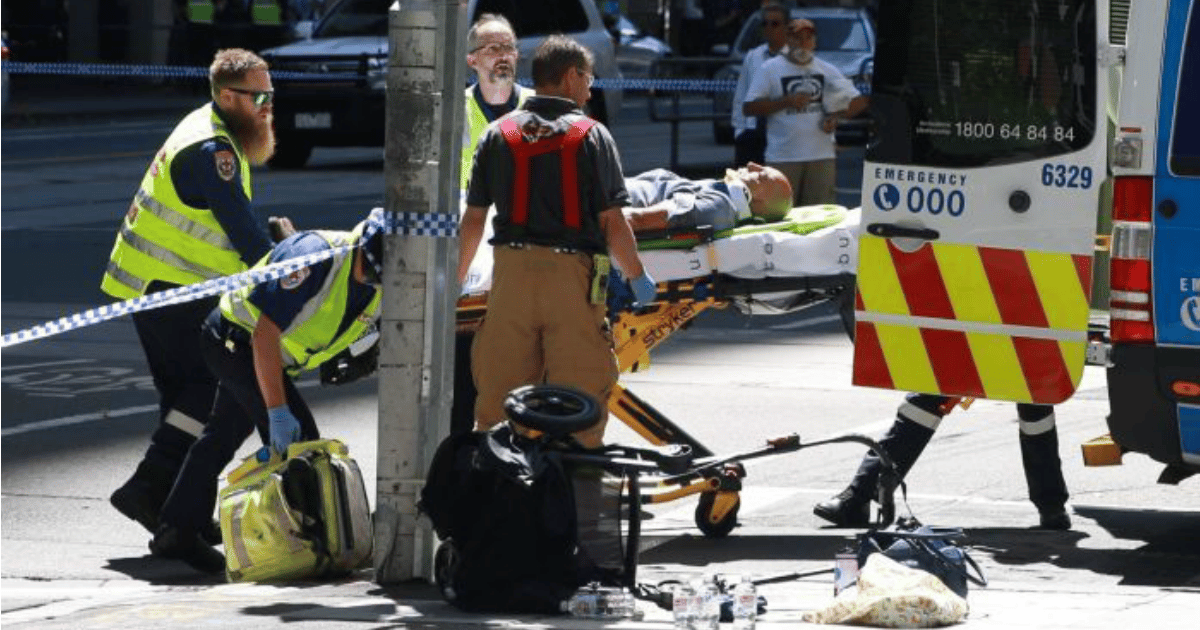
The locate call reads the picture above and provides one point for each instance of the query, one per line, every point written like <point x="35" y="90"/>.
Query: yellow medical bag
<point x="303" y="516"/>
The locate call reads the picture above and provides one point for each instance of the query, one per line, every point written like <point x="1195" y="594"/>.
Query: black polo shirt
<point x="601" y="182"/>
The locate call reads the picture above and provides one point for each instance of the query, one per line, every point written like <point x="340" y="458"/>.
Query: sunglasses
<point x="772" y="24"/>
<point x="260" y="97"/>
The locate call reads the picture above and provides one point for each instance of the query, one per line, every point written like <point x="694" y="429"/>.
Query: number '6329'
<point x="1066" y="176"/>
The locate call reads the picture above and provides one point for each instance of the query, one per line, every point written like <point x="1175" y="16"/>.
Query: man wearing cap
<point x="190" y="221"/>
<point x="254" y="342"/>
<point x="803" y="98"/>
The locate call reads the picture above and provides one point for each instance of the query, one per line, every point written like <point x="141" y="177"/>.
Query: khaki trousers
<point x="812" y="182"/>
<point x="541" y="328"/>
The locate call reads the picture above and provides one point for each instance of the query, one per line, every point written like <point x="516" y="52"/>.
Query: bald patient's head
<point x="770" y="192"/>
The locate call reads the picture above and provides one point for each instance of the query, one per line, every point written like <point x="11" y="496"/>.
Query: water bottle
<point x="681" y="606"/>
<point x="709" y="598"/>
<point x="745" y="604"/>
<point x="601" y="602"/>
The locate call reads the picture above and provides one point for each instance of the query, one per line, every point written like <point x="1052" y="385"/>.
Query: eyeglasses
<point x="591" y="78"/>
<point x="772" y="24"/>
<point x="260" y="97"/>
<point x="495" y="50"/>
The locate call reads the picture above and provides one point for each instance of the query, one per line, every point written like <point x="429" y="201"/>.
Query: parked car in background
<point x="637" y="51"/>
<point x="845" y="38"/>
<point x="352" y="39"/>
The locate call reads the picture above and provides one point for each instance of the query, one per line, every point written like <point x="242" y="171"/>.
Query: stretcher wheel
<point x="716" y="514"/>
<point x="552" y="409"/>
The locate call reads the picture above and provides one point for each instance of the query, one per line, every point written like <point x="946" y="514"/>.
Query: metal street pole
<point x="425" y="77"/>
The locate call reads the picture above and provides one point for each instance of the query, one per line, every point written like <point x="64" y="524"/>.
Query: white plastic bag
<point x="891" y="595"/>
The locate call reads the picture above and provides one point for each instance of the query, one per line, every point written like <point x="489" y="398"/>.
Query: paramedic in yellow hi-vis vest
<point x="555" y="178"/>
<point x="255" y="342"/>
<point x="190" y="221"/>
<point x="492" y="46"/>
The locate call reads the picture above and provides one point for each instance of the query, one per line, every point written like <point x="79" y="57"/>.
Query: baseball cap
<point x="799" y="24"/>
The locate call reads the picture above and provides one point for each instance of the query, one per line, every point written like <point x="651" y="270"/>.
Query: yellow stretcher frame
<point x="636" y="333"/>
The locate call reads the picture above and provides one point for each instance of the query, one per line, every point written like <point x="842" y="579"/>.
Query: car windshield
<point x="834" y="34"/>
<point x="355" y="17"/>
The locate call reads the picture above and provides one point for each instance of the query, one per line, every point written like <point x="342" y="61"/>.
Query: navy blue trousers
<point x="237" y="411"/>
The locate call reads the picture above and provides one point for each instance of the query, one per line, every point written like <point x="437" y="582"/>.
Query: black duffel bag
<point x="931" y="549"/>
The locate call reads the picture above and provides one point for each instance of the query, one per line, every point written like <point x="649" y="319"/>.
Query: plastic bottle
<point x="708" y="616"/>
<point x="745" y="604"/>
<point x="601" y="602"/>
<point x="682" y="606"/>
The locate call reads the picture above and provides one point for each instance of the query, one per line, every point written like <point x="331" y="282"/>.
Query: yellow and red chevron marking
<point x="971" y="321"/>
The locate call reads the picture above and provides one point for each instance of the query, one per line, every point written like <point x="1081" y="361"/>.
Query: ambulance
<point x="981" y="190"/>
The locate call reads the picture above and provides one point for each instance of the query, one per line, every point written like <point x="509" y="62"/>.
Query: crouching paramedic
<point x="555" y="178"/>
<point x="254" y="342"/>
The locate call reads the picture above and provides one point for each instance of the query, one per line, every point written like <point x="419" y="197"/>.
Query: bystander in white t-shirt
<point x="795" y="135"/>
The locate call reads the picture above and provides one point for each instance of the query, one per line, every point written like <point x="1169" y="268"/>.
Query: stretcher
<point x="805" y="260"/>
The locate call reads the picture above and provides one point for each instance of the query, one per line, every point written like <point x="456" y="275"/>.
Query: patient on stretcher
<point x="662" y="201"/>
<point x="757" y="237"/>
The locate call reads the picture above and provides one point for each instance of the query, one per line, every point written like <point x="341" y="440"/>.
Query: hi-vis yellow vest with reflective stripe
<point x="476" y="122"/>
<point x="162" y="238"/>
<point x="311" y="338"/>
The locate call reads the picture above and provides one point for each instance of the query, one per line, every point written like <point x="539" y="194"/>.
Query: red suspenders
<point x="567" y="145"/>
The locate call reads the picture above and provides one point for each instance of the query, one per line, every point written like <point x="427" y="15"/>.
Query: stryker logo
<point x="668" y="325"/>
<point x="921" y="177"/>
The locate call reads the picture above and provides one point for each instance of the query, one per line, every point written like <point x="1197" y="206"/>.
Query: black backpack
<point x="504" y="507"/>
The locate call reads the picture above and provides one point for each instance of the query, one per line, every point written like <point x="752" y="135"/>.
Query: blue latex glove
<point x="644" y="289"/>
<point x="285" y="428"/>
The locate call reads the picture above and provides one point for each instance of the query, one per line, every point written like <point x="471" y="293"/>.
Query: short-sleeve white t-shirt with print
<point x="795" y="135"/>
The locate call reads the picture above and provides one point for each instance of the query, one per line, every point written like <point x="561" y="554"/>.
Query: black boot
<point x="1043" y="468"/>
<point x="904" y="442"/>
<point x="177" y="543"/>
<point x="142" y="496"/>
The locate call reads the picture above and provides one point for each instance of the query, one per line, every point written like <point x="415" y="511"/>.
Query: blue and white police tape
<point x="406" y="223"/>
<point x="177" y="295"/>
<point x="198" y="72"/>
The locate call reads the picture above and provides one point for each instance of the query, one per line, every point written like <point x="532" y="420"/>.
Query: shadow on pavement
<point x="1168" y="556"/>
<point x="700" y="551"/>
<point x="162" y="572"/>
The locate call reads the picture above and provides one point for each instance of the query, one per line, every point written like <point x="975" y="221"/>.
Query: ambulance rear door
<point x="980" y="195"/>
<point x="1176" y="265"/>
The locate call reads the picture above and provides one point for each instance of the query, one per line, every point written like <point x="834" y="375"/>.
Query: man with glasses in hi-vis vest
<point x="493" y="56"/>
<point x="190" y="221"/>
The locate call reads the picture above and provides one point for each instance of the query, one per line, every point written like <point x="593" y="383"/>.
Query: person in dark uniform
<point x="555" y="178"/>
<point x="254" y="342"/>
<point x="916" y="420"/>
<point x="190" y="221"/>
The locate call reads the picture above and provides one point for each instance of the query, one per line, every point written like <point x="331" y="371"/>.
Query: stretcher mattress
<point x="812" y="241"/>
